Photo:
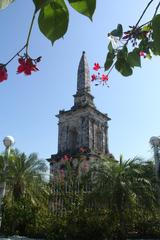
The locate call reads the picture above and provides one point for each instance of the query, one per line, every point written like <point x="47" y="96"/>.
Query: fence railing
<point x="69" y="195"/>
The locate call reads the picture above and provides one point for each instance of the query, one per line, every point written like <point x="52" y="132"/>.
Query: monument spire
<point x="82" y="126"/>
<point x="83" y="96"/>
<point x="83" y="76"/>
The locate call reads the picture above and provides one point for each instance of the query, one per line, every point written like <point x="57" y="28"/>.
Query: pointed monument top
<point x="83" y="97"/>
<point x="83" y="76"/>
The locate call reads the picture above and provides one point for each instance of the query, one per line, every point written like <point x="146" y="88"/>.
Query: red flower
<point x="66" y="158"/>
<point x="94" y="77"/>
<point x="142" y="54"/>
<point x="104" y="78"/>
<point x="96" y="67"/>
<point x="3" y="73"/>
<point x="27" y="65"/>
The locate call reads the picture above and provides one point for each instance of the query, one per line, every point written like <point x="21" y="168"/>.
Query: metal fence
<point x="70" y="195"/>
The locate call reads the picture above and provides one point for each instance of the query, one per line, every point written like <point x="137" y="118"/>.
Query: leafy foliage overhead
<point x="127" y="48"/>
<point x="85" y="7"/>
<point x="53" y="20"/>
<point x="54" y="15"/>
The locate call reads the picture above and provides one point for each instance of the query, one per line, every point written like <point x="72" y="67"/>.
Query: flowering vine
<point x="53" y="19"/>
<point x="126" y="49"/>
<point x="69" y="167"/>
<point x="27" y="65"/>
<point x="102" y="78"/>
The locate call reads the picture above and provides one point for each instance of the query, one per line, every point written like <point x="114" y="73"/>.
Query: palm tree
<point x="26" y="186"/>
<point x="24" y="175"/>
<point x="121" y="186"/>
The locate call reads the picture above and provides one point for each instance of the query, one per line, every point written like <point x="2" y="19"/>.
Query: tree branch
<point x="143" y="13"/>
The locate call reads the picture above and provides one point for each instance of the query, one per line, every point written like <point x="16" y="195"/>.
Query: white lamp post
<point x="8" y="142"/>
<point x="155" y="143"/>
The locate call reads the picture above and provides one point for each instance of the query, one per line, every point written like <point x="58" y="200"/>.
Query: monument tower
<point x="83" y="126"/>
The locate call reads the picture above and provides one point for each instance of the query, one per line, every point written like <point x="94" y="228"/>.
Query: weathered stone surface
<point x="83" y="127"/>
<point x="83" y="76"/>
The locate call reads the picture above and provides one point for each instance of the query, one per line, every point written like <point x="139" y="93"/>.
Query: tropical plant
<point x="121" y="201"/>
<point x="123" y="188"/>
<point x="27" y="190"/>
<point x="24" y="175"/>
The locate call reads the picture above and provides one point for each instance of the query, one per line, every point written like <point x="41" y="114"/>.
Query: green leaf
<point x="53" y="20"/>
<point x="156" y="33"/>
<point x="144" y="45"/>
<point x="5" y="3"/>
<point x="151" y="45"/>
<point x="85" y="7"/>
<point x="148" y="56"/>
<point x="109" y="60"/>
<point x="41" y="3"/>
<point x="123" y="67"/>
<point x="110" y="48"/>
<point x="123" y="53"/>
<point x="146" y="28"/>
<point x="117" y="32"/>
<point x="134" y="58"/>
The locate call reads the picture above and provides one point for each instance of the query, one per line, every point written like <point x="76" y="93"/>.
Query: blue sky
<point x="29" y="104"/>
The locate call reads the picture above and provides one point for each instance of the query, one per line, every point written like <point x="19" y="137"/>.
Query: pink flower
<point x="96" y="67"/>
